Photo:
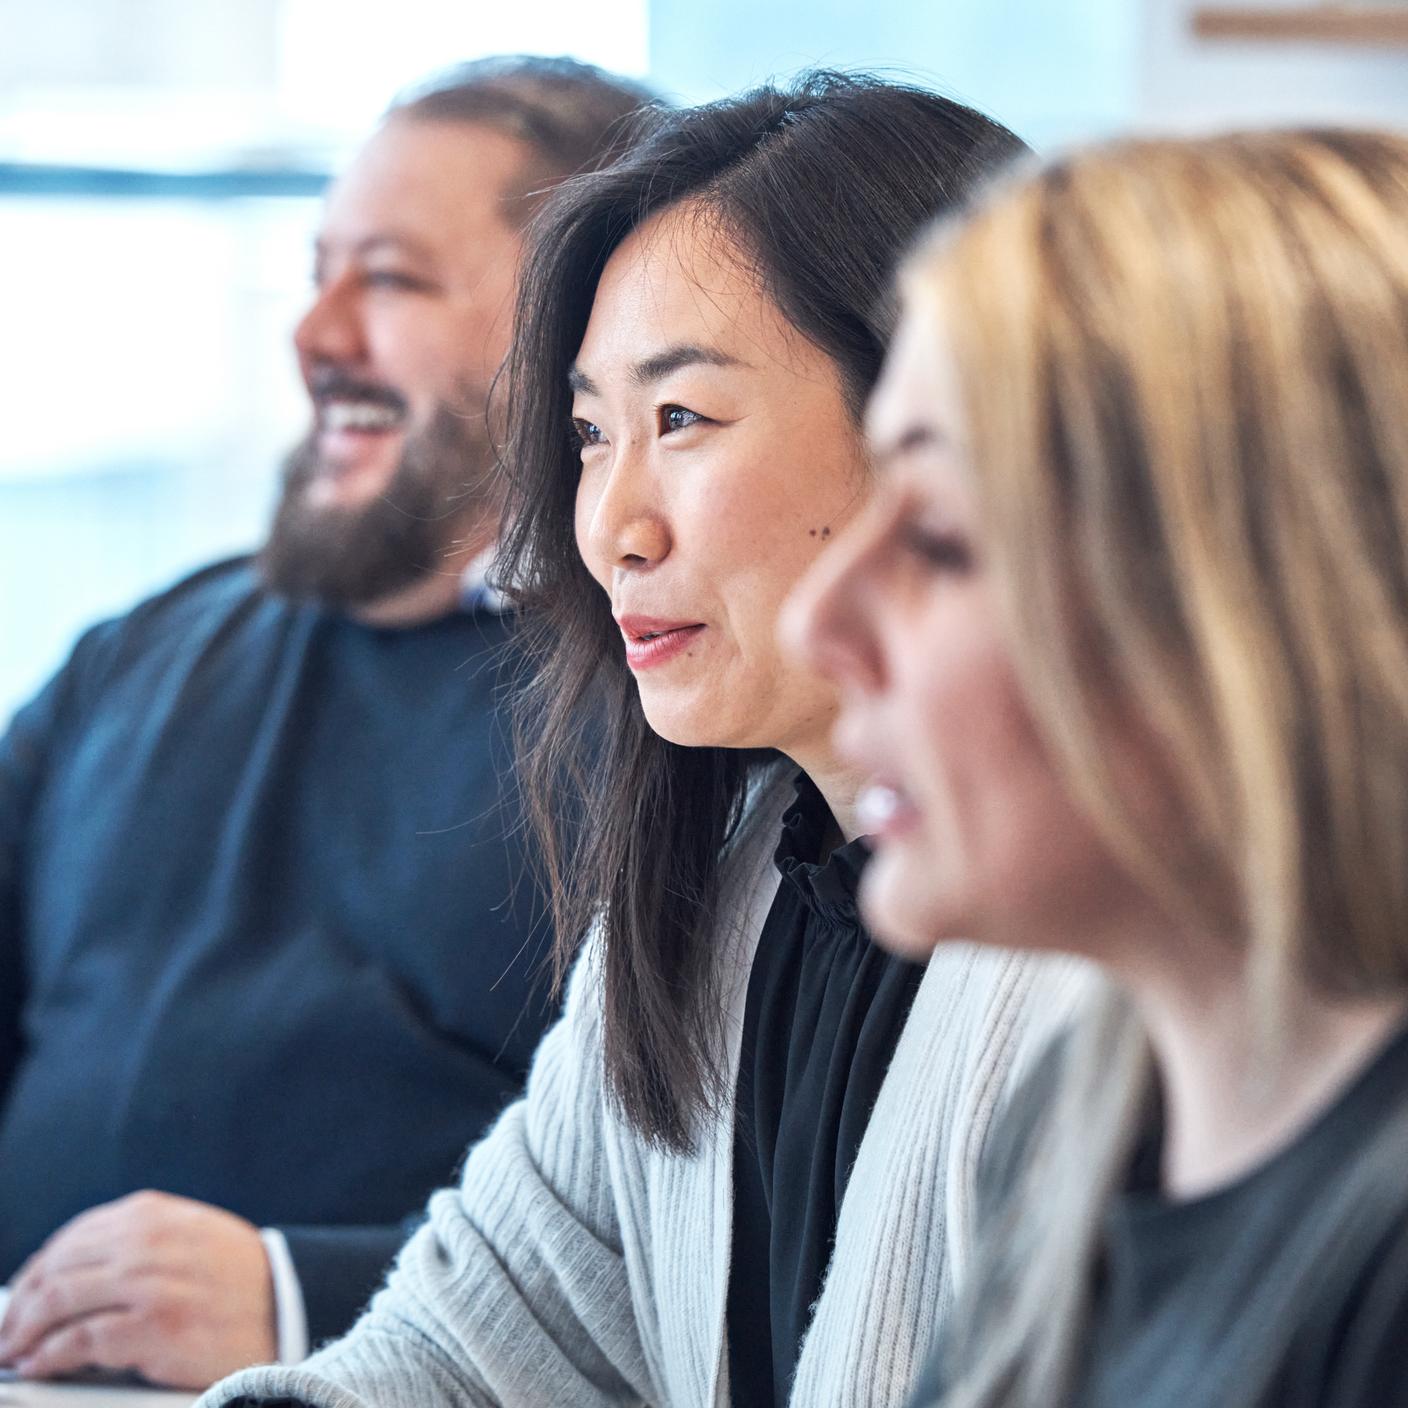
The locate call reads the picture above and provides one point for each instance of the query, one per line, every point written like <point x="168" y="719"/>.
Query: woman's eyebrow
<point x="684" y="354"/>
<point x="659" y="365"/>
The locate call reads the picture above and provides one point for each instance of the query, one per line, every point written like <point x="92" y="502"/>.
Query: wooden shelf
<point x="1329" y="24"/>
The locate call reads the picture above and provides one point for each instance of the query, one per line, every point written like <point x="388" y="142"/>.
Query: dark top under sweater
<point x="266" y="939"/>
<point x="1285" y="1289"/>
<point x="824" y="1011"/>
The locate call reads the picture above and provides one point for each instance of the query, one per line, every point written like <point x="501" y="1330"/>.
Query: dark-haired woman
<point x="742" y="1168"/>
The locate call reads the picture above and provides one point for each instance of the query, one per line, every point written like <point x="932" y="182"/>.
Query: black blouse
<point x="824" y="1011"/>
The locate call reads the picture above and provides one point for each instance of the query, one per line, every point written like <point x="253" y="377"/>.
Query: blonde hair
<point x="1184" y="368"/>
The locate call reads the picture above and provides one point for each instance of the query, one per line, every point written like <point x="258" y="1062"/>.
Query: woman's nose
<point x="626" y="526"/>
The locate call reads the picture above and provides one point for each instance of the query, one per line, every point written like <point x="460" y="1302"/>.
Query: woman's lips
<point x="651" y="641"/>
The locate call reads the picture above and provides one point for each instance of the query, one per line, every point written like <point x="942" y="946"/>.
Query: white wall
<point x="1056" y="70"/>
<point x="1191" y="84"/>
<point x="225" y="43"/>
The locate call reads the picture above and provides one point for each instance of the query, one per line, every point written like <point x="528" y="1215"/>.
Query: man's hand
<point x="178" y="1291"/>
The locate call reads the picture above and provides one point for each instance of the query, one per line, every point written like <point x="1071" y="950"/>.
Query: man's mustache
<point x="334" y="384"/>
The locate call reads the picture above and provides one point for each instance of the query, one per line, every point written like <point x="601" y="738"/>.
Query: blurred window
<point x="159" y="164"/>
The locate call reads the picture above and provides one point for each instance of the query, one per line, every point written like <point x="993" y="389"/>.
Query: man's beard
<point x="351" y="557"/>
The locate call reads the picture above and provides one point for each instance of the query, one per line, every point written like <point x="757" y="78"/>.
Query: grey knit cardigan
<point x="577" y="1265"/>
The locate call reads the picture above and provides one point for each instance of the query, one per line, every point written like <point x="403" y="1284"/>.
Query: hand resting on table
<point x="174" y="1290"/>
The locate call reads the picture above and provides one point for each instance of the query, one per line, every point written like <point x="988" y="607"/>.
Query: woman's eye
<point x="945" y="552"/>
<point x="586" y="432"/>
<point x="674" y="418"/>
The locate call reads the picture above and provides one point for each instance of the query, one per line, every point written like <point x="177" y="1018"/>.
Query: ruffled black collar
<point x="827" y="887"/>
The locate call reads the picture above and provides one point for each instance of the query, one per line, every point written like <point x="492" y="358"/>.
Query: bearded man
<point x="270" y="956"/>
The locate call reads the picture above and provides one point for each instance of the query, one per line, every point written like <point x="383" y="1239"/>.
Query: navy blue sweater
<point x="266" y="933"/>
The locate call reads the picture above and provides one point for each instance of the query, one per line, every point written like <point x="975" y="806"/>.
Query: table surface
<point x="15" y="1394"/>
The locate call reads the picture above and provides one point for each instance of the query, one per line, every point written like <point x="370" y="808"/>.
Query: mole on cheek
<point x="812" y="532"/>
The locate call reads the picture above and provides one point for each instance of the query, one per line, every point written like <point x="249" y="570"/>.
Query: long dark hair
<point x="822" y="185"/>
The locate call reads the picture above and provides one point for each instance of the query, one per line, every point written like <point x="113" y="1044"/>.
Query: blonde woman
<point x="1124" y="649"/>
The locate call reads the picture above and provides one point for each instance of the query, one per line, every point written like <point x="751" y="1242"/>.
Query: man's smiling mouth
<point x="367" y="416"/>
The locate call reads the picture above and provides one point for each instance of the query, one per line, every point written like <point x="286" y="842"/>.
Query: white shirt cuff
<point x="290" y="1314"/>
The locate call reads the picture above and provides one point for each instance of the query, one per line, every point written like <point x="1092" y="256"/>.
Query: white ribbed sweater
<point x="575" y="1265"/>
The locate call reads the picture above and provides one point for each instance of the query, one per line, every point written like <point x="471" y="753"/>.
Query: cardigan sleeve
<point x="514" y="1291"/>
